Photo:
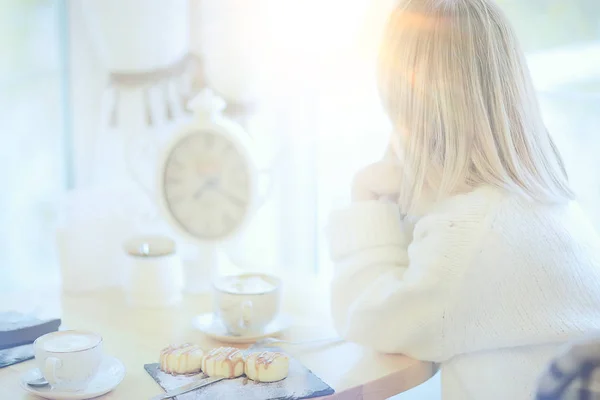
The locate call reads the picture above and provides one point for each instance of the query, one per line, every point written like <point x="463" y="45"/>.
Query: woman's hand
<point x="378" y="181"/>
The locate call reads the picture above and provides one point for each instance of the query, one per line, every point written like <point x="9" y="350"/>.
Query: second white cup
<point x="247" y="303"/>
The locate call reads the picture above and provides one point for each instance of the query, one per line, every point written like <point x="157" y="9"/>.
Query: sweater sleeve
<point x="392" y="295"/>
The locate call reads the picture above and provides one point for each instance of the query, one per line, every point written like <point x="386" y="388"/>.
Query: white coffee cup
<point x="69" y="359"/>
<point x="246" y="303"/>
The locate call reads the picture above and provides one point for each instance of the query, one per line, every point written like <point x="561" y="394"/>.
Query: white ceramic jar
<point x="154" y="275"/>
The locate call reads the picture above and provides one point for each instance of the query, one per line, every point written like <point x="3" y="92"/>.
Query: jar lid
<point x="150" y="246"/>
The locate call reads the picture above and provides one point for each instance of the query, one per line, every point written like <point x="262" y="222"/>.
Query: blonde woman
<point x="485" y="263"/>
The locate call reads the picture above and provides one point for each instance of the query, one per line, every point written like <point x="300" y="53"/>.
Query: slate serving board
<point x="301" y="383"/>
<point x="17" y="329"/>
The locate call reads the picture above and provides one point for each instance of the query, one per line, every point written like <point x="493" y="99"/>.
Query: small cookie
<point x="181" y="360"/>
<point x="267" y="366"/>
<point x="227" y="362"/>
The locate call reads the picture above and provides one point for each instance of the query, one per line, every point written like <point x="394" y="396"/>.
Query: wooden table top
<point x="135" y="336"/>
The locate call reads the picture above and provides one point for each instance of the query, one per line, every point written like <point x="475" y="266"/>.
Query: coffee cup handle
<point x="50" y="366"/>
<point x="246" y="314"/>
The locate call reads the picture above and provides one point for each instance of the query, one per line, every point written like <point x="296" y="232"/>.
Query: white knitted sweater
<point x="488" y="284"/>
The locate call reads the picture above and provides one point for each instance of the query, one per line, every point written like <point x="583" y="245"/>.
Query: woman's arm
<point x="391" y="295"/>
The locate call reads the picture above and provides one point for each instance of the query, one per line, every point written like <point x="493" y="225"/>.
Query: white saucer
<point x="212" y="327"/>
<point x="110" y="374"/>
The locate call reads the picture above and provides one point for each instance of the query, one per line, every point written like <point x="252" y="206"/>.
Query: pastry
<point x="267" y="366"/>
<point x="227" y="362"/>
<point x="180" y="360"/>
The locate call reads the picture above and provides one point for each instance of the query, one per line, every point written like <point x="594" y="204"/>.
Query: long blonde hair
<point x="457" y="89"/>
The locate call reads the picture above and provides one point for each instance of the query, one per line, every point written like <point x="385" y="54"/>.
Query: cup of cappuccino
<point x="69" y="359"/>
<point x="246" y="303"/>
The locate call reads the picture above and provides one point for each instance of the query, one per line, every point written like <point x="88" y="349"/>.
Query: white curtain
<point x="32" y="129"/>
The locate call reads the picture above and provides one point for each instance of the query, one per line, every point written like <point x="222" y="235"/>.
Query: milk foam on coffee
<point x="246" y="284"/>
<point x="63" y="342"/>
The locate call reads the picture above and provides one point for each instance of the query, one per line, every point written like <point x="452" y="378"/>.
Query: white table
<point x="136" y="336"/>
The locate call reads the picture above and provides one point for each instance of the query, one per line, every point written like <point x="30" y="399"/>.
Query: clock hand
<point x="234" y="199"/>
<point x="199" y="192"/>
<point x="212" y="182"/>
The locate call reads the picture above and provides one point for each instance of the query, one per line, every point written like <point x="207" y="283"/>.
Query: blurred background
<point x="90" y="89"/>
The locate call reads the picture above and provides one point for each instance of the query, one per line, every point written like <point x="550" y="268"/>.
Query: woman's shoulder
<point x="558" y="223"/>
<point x="489" y="201"/>
<point x="461" y="218"/>
<point x="520" y="222"/>
<point x="502" y="211"/>
<point x="473" y="206"/>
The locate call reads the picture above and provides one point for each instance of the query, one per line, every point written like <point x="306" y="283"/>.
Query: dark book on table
<point x="17" y="333"/>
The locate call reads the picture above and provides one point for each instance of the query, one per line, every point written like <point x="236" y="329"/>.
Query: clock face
<point x="206" y="185"/>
